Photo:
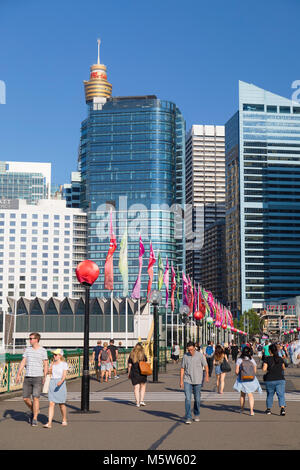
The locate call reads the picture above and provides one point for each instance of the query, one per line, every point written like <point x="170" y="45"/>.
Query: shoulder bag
<point x="46" y="384"/>
<point x="225" y="366"/>
<point x="145" y="368"/>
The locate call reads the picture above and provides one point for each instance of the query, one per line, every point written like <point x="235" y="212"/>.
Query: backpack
<point x="209" y="351"/>
<point x="247" y="371"/>
<point x="104" y="355"/>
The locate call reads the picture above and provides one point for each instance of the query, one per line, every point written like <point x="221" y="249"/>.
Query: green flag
<point x="160" y="272"/>
<point x="123" y="263"/>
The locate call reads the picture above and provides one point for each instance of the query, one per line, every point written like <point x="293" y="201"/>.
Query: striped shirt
<point x="34" y="361"/>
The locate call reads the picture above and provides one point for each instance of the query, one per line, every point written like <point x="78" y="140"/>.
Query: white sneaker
<point x="143" y="403"/>
<point x="197" y="419"/>
<point x="188" y="421"/>
<point x="138" y="405"/>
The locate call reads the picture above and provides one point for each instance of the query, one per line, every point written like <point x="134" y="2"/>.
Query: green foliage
<point x="252" y="319"/>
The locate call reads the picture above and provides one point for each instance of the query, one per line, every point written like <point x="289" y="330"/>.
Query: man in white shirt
<point x="35" y="359"/>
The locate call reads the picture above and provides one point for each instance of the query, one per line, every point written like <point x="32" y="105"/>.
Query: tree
<point x="250" y="318"/>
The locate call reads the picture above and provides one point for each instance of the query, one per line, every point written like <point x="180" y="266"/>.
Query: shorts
<point x="106" y="366"/>
<point x="32" y="386"/>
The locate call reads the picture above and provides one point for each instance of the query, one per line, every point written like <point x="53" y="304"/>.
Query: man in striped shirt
<point x="35" y="359"/>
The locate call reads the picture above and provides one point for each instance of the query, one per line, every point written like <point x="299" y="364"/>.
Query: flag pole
<point x="112" y="315"/>
<point x="126" y="323"/>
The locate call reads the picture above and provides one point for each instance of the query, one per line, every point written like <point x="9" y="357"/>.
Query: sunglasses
<point x="30" y="339"/>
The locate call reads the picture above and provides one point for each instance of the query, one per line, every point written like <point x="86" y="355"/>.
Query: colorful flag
<point x="109" y="267"/>
<point x="173" y="288"/>
<point x="195" y="298"/>
<point x="190" y="294"/>
<point x="178" y="288"/>
<point x="160" y="272"/>
<point x="185" y="284"/>
<point x="136" y="291"/>
<point x="152" y="261"/>
<point x="166" y="281"/>
<point x="123" y="263"/>
<point x="204" y="297"/>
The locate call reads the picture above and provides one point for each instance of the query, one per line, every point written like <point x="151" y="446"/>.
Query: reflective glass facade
<point x="132" y="157"/>
<point x="263" y="199"/>
<point x="17" y="185"/>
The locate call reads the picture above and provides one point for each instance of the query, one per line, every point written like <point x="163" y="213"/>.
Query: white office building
<point x="40" y="247"/>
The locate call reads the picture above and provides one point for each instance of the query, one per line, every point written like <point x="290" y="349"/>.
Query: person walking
<point x="114" y="354"/>
<point x="35" y="359"/>
<point x="218" y="361"/>
<point x="234" y="351"/>
<point x="95" y="357"/>
<point x="105" y="362"/>
<point x="209" y="355"/>
<point x="191" y="376"/>
<point x="274" y="379"/>
<point x="57" y="388"/>
<point x="246" y="382"/>
<point x="175" y="353"/>
<point x="138" y="380"/>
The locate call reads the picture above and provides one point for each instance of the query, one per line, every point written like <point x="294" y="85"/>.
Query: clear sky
<point x="191" y="52"/>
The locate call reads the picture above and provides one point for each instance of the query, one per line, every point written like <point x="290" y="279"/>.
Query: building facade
<point x="205" y="189"/>
<point x="263" y="196"/>
<point x="25" y="180"/>
<point x="40" y="247"/>
<point x="132" y="160"/>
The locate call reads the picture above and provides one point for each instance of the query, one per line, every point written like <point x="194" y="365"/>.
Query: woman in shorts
<point x="105" y="362"/>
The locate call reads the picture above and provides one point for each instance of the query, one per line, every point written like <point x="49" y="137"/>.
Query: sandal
<point x="48" y="426"/>
<point x="64" y="423"/>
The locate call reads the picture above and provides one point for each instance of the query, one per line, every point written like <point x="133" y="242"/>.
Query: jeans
<point x="277" y="386"/>
<point x="188" y="390"/>
<point x="210" y="363"/>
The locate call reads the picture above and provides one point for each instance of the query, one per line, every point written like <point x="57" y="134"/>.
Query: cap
<point x="58" y="351"/>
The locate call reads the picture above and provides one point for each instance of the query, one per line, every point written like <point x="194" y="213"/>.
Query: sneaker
<point x="143" y="403"/>
<point x="138" y="405"/>
<point x="268" y="411"/>
<point x="282" y="411"/>
<point x="34" y="422"/>
<point x="188" y="421"/>
<point x="117" y="377"/>
<point x="197" y="419"/>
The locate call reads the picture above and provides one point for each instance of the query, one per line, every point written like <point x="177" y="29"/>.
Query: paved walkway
<point x="115" y="423"/>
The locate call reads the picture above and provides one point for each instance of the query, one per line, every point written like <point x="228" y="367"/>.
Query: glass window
<point x="284" y="109"/>
<point x="271" y="109"/>
<point x="253" y="107"/>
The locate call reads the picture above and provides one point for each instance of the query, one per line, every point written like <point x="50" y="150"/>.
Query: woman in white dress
<point x="57" y="388"/>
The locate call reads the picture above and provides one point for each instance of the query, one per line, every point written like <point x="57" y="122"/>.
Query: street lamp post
<point x="87" y="272"/>
<point x="184" y="313"/>
<point x="155" y="299"/>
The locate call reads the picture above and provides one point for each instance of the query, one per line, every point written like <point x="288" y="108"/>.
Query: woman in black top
<point x="274" y="379"/>
<point x="137" y="379"/>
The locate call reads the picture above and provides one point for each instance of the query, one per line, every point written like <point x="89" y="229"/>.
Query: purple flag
<point x="136" y="291"/>
<point x="166" y="281"/>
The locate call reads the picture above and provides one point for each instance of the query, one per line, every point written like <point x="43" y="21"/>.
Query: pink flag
<point x="109" y="267"/>
<point x="185" y="289"/>
<point x="173" y="288"/>
<point x="152" y="261"/>
<point x="166" y="281"/>
<point x="136" y="291"/>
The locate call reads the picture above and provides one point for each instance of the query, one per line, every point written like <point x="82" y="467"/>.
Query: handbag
<point x="225" y="366"/>
<point x="145" y="368"/>
<point x="46" y="384"/>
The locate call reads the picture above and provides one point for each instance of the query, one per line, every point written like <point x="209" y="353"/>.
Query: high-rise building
<point x="132" y="159"/>
<point x="263" y="196"/>
<point x="25" y="180"/>
<point x="205" y="189"/>
<point x="71" y="191"/>
<point x="40" y="247"/>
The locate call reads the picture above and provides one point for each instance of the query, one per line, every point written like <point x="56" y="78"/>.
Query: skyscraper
<point x="205" y="188"/>
<point x="25" y="180"/>
<point x="263" y="196"/>
<point x="132" y="159"/>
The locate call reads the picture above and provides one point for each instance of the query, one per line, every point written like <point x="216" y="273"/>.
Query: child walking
<point x="57" y="388"/>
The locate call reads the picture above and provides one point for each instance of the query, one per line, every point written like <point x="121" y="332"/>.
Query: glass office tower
<point x="263" y="199"/>
<point x="132" y="159"/>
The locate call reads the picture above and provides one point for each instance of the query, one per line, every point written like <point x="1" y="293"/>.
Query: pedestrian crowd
<point x="196" y="368"/>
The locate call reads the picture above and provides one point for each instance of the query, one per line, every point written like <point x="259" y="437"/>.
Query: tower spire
<point x="99" y="42"/>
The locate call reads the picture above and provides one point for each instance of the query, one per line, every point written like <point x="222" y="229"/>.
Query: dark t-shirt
<point x="96" y="350"/>
<point x="113" y="350"/>
<point x="274" y="371"/>
<point x="234" y="350"/>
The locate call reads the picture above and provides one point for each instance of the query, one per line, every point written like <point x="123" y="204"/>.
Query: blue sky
<point x="192" y="53"/>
